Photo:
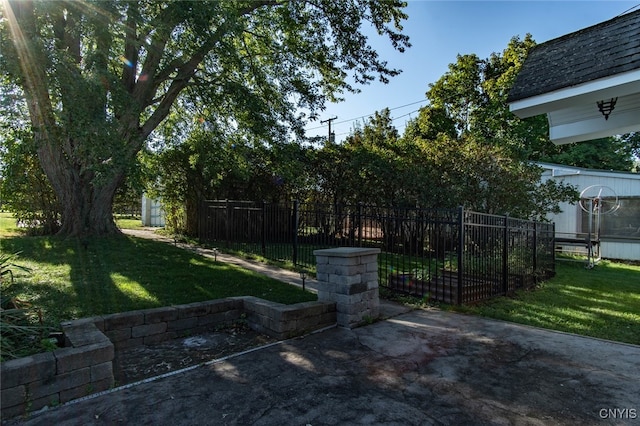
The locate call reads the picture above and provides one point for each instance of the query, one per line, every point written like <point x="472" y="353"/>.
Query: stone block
<point x="123" y="320"/>
<point x="224" y="305"/>
<point x="370" y="277"/>
<point x="345" y="261"/>
<point x="326" y="297"/>
<point x="156" y="315"/>
<point x="15" y="372"/>
<point x="84" y="335"/>
<point x="344" y="279"/>
<point x="98" y="321"/>
<point x="75" y="393"/>
<point x="102" y="385"/>
<point x="212" y="319"/>
<point x="46" y="401"/>
<point x="262" y="307"/>
<point x="10" y="397"/>
<point x="182" y="324"/>
<point x="372" y="267"/>
<point x="118" y="335"/>
<point x="327" y="319"/>
<point x="101" y="371"/>
<point x="327" y="287"/>
<point x="372" y="285"/>
<point x="322" y="277"/>
<point x="9" y="411"/>
<point x="61" y="382"/>
<point x="343" y="320"/>
<point x="69" y="359"/>
<point x="192" y="310"/>
<point x="370" y="258"/>
<point x="281" y="326"/>
<point x="351" y="289"/>
<point x="148" y="329"/>
<point x="233" y="315"/>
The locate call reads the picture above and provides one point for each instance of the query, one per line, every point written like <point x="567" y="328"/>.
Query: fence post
<point x="264" y="229"/>
<point x="201" y="221"/>
<point x="535" y="248"/>
<point x="460" y="257"/>
<point x="359" y="224"/>
<point x="505" y="255"/>
<point x="295" y="231"/>
<point x="553" y="248"/>
<point x="228" y="230"/>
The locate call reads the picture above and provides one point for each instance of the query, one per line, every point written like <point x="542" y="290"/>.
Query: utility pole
<point x="329" y="120"/>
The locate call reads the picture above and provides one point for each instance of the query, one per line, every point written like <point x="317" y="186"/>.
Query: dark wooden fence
<point x="450" y="255"/>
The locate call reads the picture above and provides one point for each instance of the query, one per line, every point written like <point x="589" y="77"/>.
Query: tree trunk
<point x="86" y="202"/>
<point x="88" y="208"/>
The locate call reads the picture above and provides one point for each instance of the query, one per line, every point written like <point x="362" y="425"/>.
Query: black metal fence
<point x="450" y="255"/>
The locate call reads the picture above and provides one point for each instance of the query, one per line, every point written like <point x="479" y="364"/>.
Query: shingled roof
<point x="609" y="48"/>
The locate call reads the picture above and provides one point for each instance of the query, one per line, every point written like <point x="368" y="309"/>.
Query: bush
<point x="21" y="326"/>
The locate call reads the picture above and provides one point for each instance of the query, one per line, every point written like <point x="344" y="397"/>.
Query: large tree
<point x="100" y="76"/>
<point x="473" y="93"/>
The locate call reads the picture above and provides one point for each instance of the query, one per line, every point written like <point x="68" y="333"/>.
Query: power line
<point x="369" y="115"/>
<point x="393" y="119"/>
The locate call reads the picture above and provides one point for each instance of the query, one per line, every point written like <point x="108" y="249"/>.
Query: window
<point x="622" y="223"/>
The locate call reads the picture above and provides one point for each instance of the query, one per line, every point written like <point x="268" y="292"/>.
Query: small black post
<point x="303" y="275"/>
<point x="460" y="248"/>
<point x="228" y="227"/>
<point x="264" y="229"/>
<point x="535" y="249"/>
<point x="360" y="224"/>
<point x="553" y="249"/>
<point x="295" y="221"/>
<point x="505" y="255"/>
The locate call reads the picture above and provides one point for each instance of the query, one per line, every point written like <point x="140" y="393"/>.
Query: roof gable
<point x="603" y="50"/>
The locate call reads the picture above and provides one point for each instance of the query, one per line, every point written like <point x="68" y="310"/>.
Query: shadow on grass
<point x="602" y="302"/>
<point x="72" y="278"/>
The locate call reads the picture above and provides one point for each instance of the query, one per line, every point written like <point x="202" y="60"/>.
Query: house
<point x="586" y="82"/>
<point x="616" y="228"/>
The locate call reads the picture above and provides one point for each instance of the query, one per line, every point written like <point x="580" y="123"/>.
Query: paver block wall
<point x="85" y="365"/>
<point x="46" y="379"/>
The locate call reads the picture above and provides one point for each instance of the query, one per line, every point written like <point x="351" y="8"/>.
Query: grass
<point x="120" y="273"/>
<point x="123" y="273"/>
<point x="602" y="302"/>
<point x="128" y="222"/>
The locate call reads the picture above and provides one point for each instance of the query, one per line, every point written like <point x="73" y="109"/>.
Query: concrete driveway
<point x="418" y="368"/>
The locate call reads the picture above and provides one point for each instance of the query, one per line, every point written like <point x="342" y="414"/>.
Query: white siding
<point x="623" y="184"/>
<point x="152" y="212"/>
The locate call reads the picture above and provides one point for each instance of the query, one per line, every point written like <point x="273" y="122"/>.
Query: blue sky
<point x="440" y="30"/>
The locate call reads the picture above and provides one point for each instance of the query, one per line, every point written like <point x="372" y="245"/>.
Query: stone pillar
<point x="348" y="276"/>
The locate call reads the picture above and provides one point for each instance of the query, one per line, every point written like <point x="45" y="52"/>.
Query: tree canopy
<point x="99" y="77"/>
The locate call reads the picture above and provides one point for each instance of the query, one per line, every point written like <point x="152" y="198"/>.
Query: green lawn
<point x="118" y="274"/>
<point x="73" y="278"/>
<point x="128" y="222"/>
<point x="602" y="302"/>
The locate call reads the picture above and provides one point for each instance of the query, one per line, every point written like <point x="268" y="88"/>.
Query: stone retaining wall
<point x="85" y="365"/>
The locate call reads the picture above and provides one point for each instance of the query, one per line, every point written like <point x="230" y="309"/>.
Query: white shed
<point x="620" y="229"/>
<point x="152" y="212"/>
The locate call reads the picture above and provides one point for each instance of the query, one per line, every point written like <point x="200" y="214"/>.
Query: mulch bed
<point x="135" y="364"/>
